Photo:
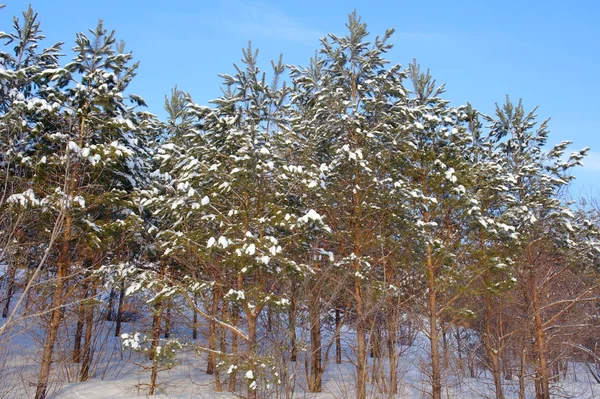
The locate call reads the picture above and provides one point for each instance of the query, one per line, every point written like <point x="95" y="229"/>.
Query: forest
<point x="332" y="230"/>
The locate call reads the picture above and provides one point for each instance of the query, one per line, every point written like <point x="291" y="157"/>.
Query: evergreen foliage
<point x="348" y="187"/>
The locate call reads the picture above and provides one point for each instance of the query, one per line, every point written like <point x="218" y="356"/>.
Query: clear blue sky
<point x="546" y="52"/>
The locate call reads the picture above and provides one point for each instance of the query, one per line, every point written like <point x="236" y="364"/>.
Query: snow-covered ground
<point x="119" y="374"/>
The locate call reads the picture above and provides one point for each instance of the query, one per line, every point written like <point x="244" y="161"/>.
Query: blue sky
<point x="546" y="52"/>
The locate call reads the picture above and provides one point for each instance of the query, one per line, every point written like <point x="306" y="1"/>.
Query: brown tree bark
<point x="78" y="334"/>
<point x="234" y="348"/>
<point x="436" y="378"/>
<point x="212" y="333"/>
<point x="10" y="287"/>
<point x="392" y="356"/>
<point x="543" y="371"/>
<point x="195" y="319"/>
<point x="251" y="317"/>
<point x="292" y="328"/>
<point x="56" y="315"/>
<point x="314" y="381"/>
<point x="338" y="340"/>
<point x="111" y="304"/>
<point x="522" y="371"/>
<point x="491" y="349"/>
<point x="89" y="325"/>
<point x="156" y="331"/>
<point x="120" y="309"/>
<point x="361" y="342"/>
<point x="167" y="332"/>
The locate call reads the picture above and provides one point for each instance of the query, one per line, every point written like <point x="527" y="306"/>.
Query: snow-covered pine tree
<point x="491" y="241"/>
<point x="438" y="173"/>
<point x="547" y="228"/>
<point x="21" y="83"/>
<point x="79" y="160"/>
<point x="348" y="108"/>
<point x="313" y="247"/>
<point x="226" y="195"/>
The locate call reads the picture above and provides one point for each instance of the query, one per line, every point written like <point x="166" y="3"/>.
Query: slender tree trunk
<point x="314" y="383"/>
<point x="234" y="348"/>
<point x="338" y="340"/>
<point x="392" y="356"/>
<point x="445" y="356"/>
<point x="374" y="335"/>
<point x="81" y="311"/>
<point x="29" y="275"/>
<point x="56" y="315"/>
<point x="292" y="327"/>
<point x="222" y="345"/>
<point x="212" y="334"/>
<point x="156" y="331"/>
<point x="522" y="371"/>
<point x="195" y="319"/>
<point x="491" y="350"/>
<point x="392" y="327"/>
<point x="111" y="304"/>
<point x="88" y="349"/>
<point x="269" y="319"/>
<point x="436" y="378"/>
<point x="167" y="332"/>
<point x="361" y="342"/>
<point x="543" y="371"/>
<point x="78" y="334"/>
<point x="375" y="349"/>
<point x="359" y="295"/>
<point x="252" y="349"/>
<point x="459" y="349"/>
<point x="55" y="319"/>
<point x="120" y="309"/>
<point x="10" y="287"/>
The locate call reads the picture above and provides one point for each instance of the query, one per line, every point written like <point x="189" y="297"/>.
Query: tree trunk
<point x="10" y="287"/>
<point x="222" y="333"/>
<point x="436" y="378"/>
<point x="156" y="331"/>
<point x="543" y="371"/>
<point x="361" y="342"/>
<point x="314" y="382"/>
<point x="269" y="319"/>
<point x="88" y="349"/>
<point x="252" y="350"/>
<point x="120" y="309"/>
<point x="195" y="319"/>
<point x="234" y="348"/>
<point x="78" y="334"/>
<point x="392" y="356"/>
<point x="212" y="334"/>
<point x="491" y="350"/>
<point x="56" y="315"/>
<point x="292" y="327"/>
<point x="522" y="372"/>
<point x="81" y="311"/>
<point x="338" y="340"/>
<point x="167" y="333"/>
<point x="459" y="349"/>
<point x="375" y="341"/>
<point x="445" y="355"/>
<point x="111" y="304"/>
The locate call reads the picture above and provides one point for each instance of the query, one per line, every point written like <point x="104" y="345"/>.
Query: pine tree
<point x="227" y="198"/>
<point x="81" y="159"/>
<point x="439" y="175"/>
<point x="23" y="79"/>
<point x="545" y="226"/>
<point x="347" y="114"/>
